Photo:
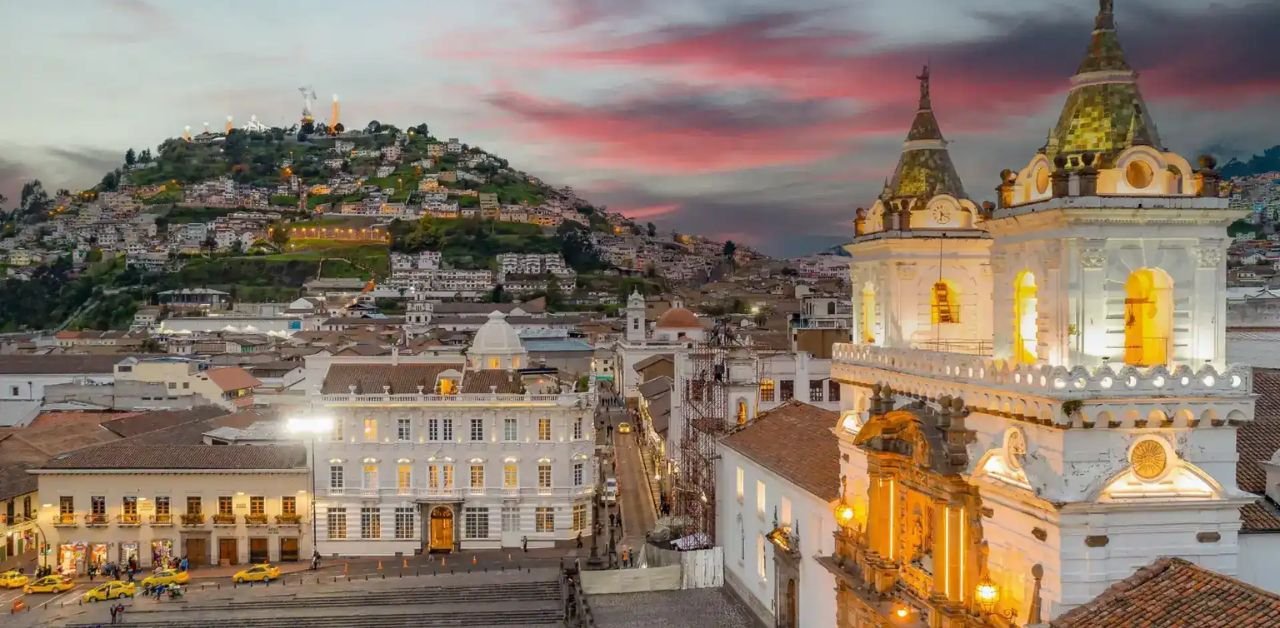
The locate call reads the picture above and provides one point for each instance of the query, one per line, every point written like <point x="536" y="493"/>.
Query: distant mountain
<point x="1268" y="161"/>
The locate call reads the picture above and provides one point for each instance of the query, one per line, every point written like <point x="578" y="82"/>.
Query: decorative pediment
<point x="932" y="438"/>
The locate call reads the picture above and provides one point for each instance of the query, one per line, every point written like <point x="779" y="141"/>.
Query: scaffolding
<point x="706" y="418"/>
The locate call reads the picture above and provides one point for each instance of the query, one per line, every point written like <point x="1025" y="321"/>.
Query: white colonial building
<point x="1037" y="400"/>
<point x="445" y="452"/>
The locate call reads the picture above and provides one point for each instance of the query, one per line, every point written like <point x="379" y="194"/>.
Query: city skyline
<point x="714" y="119"/>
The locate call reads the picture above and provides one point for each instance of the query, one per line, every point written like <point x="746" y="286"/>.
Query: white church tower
<point x="635" y="318"/>
<point x="920" y="269"/>
<point x="1097" y="429"/>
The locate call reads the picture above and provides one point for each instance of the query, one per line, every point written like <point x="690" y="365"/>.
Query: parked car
<point x="611" y="490"/>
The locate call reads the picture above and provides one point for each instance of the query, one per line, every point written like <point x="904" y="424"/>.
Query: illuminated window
<point x="1148" y="317"/>
<point x="448" y="476"/>
<point x="945" y="303"/>
<point x="510" y="475"/>
<point x="446" y="386"/>
<point x="766" y="390"/>
<point x="1139" y="174"/>
<point x="741" y="481"/>
<point x="494" y="363"/>
<point x="1042" y="180"/>
<point x="761" y="563"/>
<point x="742" y="412"/>
<point x="868" y="318"/>
<point x="477" y="476"/>
<point x="544" y="475"/>
<point x="371" y="476"/>
<point x="404" y="477"/>
<point x="544" y="429"/>
<point x="257" y="505"/>
<point x="433" y="477"/>
<point x="760" y="498"/>
<point x="371" y="429"/>
<point x="1025" y="324"/>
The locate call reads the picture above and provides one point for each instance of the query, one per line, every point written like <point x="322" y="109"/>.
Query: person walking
<point x="183" y="564"/>
<point x="93" y="571"/>
<point x="524" y="544"/>
<point x="114" y="612"/>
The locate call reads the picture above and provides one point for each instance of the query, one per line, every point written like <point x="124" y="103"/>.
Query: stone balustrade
<point x="561" y="399"/>
<point x="1107" y="395"/>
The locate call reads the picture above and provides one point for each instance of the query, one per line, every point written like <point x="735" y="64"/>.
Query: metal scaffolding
<point x="706" y="418"/>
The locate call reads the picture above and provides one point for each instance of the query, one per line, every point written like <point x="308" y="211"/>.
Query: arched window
<point x="1148" y="317"/>
<point x="868" y="318"/>
<point x="742" y="411"/>
<point x="831" y="308"/>
<point x="1025" y="325"/>
<point x="944" y="303"/>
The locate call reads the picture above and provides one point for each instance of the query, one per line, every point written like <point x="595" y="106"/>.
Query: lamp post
<point x="311" y="426"/>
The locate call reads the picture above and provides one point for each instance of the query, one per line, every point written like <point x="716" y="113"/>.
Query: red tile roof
<point x="138" y="456"/>
<point x="1260" y="516"/>
<point x="491" y="380"/>
<point x="232" y="378"/>
<point x="1259" y="439"/>
<point x="1173" y="592"/>
<point x="795" y="441"/>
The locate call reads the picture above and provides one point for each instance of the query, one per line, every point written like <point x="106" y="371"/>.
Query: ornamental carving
<point x="1148" y="459"/>
<point x="1091" y="257"/>
<point x="907" y="271"/>
<point x="1209" y="256"/>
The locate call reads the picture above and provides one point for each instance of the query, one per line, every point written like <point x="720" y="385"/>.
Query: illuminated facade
<point x="1006" y="460"/>
<point x="435" y="453"/>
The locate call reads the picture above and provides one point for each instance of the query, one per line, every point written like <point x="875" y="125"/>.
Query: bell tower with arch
<point x="919" y="269"/>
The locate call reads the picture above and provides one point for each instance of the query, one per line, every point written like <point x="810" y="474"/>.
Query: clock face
<point x="941" y="214"/>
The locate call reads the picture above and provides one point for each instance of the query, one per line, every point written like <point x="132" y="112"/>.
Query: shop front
<point x="161" y="552"/>
<point x="71" y="557"/>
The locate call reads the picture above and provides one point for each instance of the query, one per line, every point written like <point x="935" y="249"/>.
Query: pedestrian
<point x="114" y="612"/>
<point x="183" y="564"/>
<point x="315" y="560"/>
<point x="524" y="544"/>
<point x="93" y="570"/>
<point x="579" y="539"/>
<point x="624" y="555"/>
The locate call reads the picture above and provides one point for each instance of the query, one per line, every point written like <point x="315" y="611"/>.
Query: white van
<point x="610" y="490"/>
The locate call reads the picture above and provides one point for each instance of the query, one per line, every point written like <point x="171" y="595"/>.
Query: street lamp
<point x="312" y="426"/>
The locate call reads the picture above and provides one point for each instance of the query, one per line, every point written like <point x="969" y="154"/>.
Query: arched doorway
<point x="1148" y="317"/>
<point x="1025" y="325"/>
<point x="441" y="531"/>
<point x="868" y="315"/>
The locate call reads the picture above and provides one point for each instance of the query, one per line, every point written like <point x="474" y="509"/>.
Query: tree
<point x="422" y="130"/>
<point x="110" y="182"/>
<point x="555" y="297"/>
<point x="373" y="127"/>
<point x="145" y="155"/>
<point x="653" y="229"/>
<point x="130" y="157"/>
<point x="730" y="248"/>
<point x="278" y="235"/>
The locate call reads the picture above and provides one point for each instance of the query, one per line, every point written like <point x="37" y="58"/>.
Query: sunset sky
<point x="762" y="122"/>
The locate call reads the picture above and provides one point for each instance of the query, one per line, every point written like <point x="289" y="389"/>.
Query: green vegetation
<point x="184" y="215"/>
<point x="470" y="243"/>
<point x="113" y="311"/>
<point x="1242" y="227"/>
<point x="284" y="200"/>
<point x="52" y="295"/>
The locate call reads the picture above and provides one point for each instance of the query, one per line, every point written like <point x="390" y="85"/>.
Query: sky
<point x="767" y="123"/>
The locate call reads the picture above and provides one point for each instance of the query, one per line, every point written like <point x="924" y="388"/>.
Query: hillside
<point x="1267" y="161"/>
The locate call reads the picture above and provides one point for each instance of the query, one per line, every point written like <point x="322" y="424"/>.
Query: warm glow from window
<point x="1148" y="317"/>
<point x="944" y="303"/>
<point x="868" y="313"/>
<point x="371" y="429"/>
<point x="510" y="475"/>
<point x="447" y="386"/>
<point x="742" y="412"/>
<point x="1024" y="318"/>
<point x="404" y="477"/>
<point x="766" y="390"/>
<point x="494" y="363"/>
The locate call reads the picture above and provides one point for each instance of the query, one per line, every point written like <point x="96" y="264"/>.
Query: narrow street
<point x="635" y="499"/>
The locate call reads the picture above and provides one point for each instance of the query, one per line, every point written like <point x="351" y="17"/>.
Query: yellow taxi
<point x="166" y="576"/>
<point x="50" y="584"/>
<point x="257" y="573"/>
<point x="112" y="590"/>
<point x="624" y="428"/>
<point x="12" y="579"/>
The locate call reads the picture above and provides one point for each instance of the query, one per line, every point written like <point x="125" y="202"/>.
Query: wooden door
<point x="197" y="552"/>
<point x="288" y="548"/>
<point x="258" y="552"/>
<point x="441" y="529"/>
<point x="227" y="551"/>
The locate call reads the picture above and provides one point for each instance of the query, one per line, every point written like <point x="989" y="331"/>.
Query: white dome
<point x="496" y="337"/>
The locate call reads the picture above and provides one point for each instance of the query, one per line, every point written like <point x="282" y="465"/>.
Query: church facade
<point x="1036" y="396"/>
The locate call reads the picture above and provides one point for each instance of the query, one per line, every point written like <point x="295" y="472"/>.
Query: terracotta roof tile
<point x="1173" y="592"/>
<point x="150" y="421"/>
<point x="1260" y="516"/>
<point x="232" y="378"/>
<point x="795" y="441"/>
<point x="1259" y="439"/>
<point x="481" y="381"/>
<point x="369" y="379"/>
<point x="137" y="456"/>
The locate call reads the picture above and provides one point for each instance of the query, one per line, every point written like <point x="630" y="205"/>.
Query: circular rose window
<point x="1148" y="459"/>
<point x="1139" y="175"/>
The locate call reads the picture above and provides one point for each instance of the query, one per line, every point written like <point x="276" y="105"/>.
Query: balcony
<point x="255" y="520"/>
<point x="224" y="519"/>
<point x="162" y="520"/>
<point x="65" y="520"/>
<point x="129" y="520"/>
<point x="95" y="520"/>
<point x="292" y="519"/>
<point x="193" y="519"/>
